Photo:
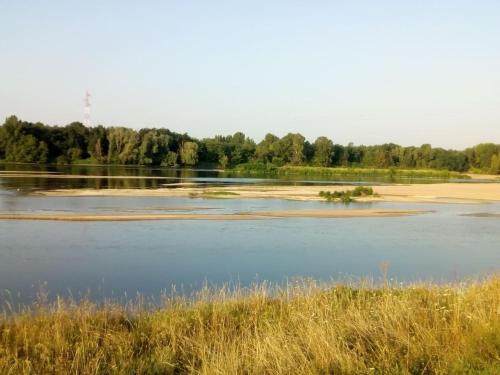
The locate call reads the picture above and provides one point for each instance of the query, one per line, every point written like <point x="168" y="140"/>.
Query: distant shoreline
<point x="253" y="170"/>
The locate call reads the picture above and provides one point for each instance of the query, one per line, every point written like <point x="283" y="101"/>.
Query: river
<point x="120" y="259"/>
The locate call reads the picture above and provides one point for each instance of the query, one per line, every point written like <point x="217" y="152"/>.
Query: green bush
<point x="347" y="196"/>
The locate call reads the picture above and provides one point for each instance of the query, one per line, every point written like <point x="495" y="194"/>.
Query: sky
<point x="367" y="72"/>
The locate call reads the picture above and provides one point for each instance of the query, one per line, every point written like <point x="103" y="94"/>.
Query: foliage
<point x="323" y="152"/>
<point x="123" y="146"/>
<point x="304" y="328"/>
<point x="153" y="146"/>
<point x="347" y="196"/>
<point x="495" y="164"/>
<point x="189" y="153"/>
<point x="288" y="150"/>
<point x="353" y="171"/>
<point x="22" y="141"/>
<point x="228" y="150"/>
<point x="362" y="191"/>
<point x="170" y="159"/>
<point x="256" y="167"/>
<point x="18" y="145"/>
<point x="27" y="149"/>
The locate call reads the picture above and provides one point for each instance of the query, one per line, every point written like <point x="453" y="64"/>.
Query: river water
<point x="118" y="259"/>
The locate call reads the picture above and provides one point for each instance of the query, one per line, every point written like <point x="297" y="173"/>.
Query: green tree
<point x="242" y="148"/>
<point x="27" y="149"/>
<point x="3" y="142"/>
<point x="266" y="150"/>
<point x="481" y="154"/>
<point x="122" y="147"/>
<point x="18" y="145"/>
<point x="98" y="143"/>
<point x="77" y="137"/>
<point x="227" y="150"/>
<point x="423" y="156"/>
<point x="495" y="164"/>
<point x="170" y="159"/>
<point x="189" y="153"/>
<point x="323" y="151"/>
<point x="223" y="161"/>
<point x="153" y="148"/>
<point x="291" y="148"/>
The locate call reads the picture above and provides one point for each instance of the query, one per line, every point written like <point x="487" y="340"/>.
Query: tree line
<point x="27" y="142"/>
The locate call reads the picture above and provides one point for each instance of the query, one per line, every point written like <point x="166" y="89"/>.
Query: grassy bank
<point x="304" y="329"/>
<point x="325" y="171"/>
<point x="261" y="168"/>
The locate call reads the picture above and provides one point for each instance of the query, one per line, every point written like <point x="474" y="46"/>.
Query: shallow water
<point x="112" y="259"/>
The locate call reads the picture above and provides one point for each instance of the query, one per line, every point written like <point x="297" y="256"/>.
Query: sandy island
<point x="236" y="216"/>
<point x="470" y="192"/>
<point x="432" y="193"/>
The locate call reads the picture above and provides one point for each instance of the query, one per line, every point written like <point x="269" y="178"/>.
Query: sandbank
<point x="229" y="217"/>
<point x="494" y="215"/>
<point x="431" y="193"/>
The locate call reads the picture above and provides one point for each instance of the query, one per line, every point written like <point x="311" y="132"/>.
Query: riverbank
<point x="305" y="172"/>
<point x="438" y="193"/>
<point x="305" y="328"/>
<point x="355" y="171"/>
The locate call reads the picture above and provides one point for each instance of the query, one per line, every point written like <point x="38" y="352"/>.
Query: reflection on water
<point x="105" y="177"/>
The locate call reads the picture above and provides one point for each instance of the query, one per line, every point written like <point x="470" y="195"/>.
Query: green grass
<point x="255" y="167"/>
<point x="302" y="329"/>
<point x="344" y="171"/>
<point x="268" y="168"/>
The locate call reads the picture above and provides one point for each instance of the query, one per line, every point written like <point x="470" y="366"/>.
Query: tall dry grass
<point x="301" y="329"/>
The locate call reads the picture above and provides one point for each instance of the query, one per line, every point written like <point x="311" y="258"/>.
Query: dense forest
<point x="26" y="142"/>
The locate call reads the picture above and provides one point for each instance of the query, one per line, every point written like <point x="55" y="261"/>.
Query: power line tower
<point x="86" y="109"/>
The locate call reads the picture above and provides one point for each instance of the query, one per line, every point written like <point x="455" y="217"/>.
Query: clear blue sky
<point x="409" y="72"/>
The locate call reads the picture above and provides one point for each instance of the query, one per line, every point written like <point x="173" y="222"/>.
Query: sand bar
<point x="494" y="215"/>
<point x="432" y="193"/>
<point x="134" y="209"/>
<point x="229" y="217"/>
<point x="487" y="177"/>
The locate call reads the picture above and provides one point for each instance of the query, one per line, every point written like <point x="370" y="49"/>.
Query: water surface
<point x="112" y="259"/>
<point x="103" y="177"/>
